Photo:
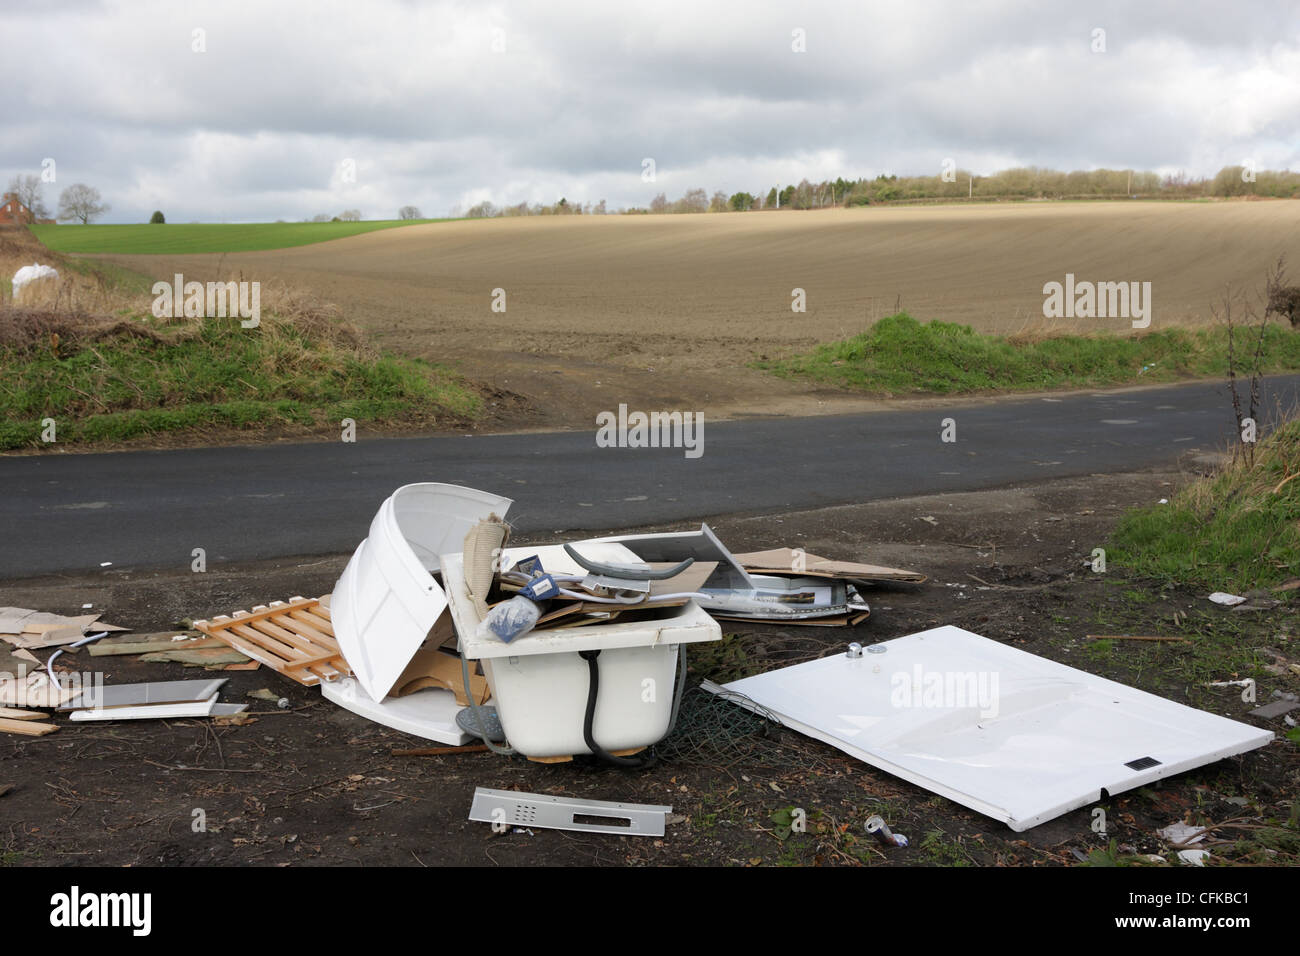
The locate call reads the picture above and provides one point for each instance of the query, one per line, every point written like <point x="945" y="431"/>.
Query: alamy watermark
<point x="213" y="300"/>
<point x="85" y="687"/>
<point x="1098" y="300"/>
<point x="651" y="430"/>
<point x="946" y="690"/>
<point x="76" y="908"/>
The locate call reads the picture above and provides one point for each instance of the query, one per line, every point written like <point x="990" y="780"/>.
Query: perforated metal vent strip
<point x="564" y="813"/>
<point x="1142" y="763"/>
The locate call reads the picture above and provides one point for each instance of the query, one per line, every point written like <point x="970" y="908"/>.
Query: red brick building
<point x="13" y="212"/>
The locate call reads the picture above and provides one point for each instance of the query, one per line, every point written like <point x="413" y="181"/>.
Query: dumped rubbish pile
<point x="439" y="628"/>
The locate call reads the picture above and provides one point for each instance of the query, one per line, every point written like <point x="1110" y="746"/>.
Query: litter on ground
<point x="440" y="629"/>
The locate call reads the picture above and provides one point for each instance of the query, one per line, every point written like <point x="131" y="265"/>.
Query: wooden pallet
<point x="295" y="639"/>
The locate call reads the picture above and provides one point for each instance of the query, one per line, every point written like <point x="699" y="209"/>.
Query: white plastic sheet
<point x="1014" y="736"/>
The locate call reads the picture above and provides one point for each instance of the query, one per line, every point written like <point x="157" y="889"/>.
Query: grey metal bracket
<point x="624" y="571"/>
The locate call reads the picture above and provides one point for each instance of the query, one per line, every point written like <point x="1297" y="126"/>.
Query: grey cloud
<point x="254" y="127"/>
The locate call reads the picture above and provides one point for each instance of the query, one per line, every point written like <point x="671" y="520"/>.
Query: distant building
<point x="13" y="212"/>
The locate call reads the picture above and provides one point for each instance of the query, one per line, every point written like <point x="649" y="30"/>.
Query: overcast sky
<point x="441" y="105"/>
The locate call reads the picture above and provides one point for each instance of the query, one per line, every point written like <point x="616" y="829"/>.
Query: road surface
<point x="150" y="509"/>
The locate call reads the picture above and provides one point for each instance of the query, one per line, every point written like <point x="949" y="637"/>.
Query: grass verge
<point x="1235" y="531"/>
<point x="899" y="354"/>
<point x="113" y="379"/>
<point x="179" y="238"/>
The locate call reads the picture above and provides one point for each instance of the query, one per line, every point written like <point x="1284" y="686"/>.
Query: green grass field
<point x="181" y="238"/>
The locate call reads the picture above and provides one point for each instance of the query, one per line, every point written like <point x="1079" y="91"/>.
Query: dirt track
<point x="671" y="308"/>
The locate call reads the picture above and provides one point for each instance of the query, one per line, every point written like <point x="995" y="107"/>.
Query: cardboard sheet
<point x="783" y="561"/>
<point x="25" y="628"/>
<point x="433" y="667"/>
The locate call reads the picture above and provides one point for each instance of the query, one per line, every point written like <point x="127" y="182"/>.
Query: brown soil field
<point x="659" y="309"/>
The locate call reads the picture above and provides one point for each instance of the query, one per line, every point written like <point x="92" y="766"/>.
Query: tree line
<point x="1024" y="182"/>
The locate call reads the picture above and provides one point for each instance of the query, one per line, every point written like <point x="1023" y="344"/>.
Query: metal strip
<point x="511" y="808"/>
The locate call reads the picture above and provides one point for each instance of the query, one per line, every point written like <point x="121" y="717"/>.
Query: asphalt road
<point x="150" y="509"/>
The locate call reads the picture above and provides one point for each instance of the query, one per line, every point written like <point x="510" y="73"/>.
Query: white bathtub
<point x="539" y="683"/>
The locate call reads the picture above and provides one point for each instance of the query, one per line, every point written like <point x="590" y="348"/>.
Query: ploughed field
<point x="696" y="297"/>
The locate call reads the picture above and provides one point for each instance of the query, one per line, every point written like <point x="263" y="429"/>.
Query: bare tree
<point x="28" y="190"/>
<point x="695" y="200"/>
<point x="82" y="203"/>
<point x="350" y="215"/>
<point x="409" y="212"/>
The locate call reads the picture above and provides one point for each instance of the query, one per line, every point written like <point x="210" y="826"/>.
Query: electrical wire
<point x="49" y="665"/>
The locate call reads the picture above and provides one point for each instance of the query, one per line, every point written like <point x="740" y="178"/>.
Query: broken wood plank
<point x="148" y="644"/>
<point x="28" y="728"/>
<point x="213" y="658"/>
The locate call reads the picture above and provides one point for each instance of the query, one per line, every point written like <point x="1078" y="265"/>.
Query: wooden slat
<point x="283" y="654"/>
<point x="321" y="623"/>
<point x="292" y="623"/>
<point x="28" y="728"/>
<point x="307" y="627"/>
<point x="249" y="649"/>
<point x="15" y="714"/>
<point x="299" y="652"/>
<point x="306" y="651"/>
<point x="281" y="649"/>
<point x="272" y="627"/>
<point x="263" y="610"/>
<point x="301" y="662"/>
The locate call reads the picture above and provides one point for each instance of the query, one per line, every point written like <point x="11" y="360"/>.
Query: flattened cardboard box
<point x="784" y="561"/>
